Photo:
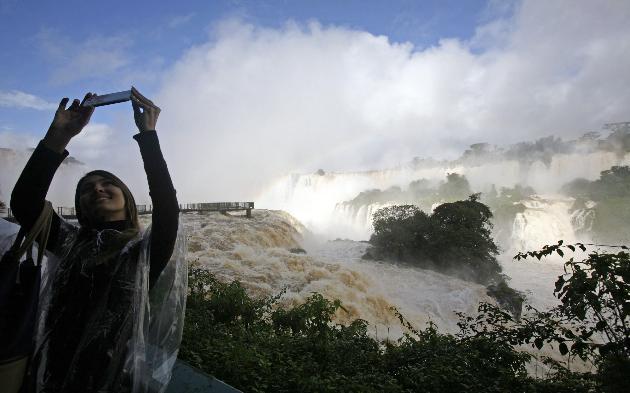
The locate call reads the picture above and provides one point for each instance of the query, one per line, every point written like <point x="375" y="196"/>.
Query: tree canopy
<point x="609" y="218"/>
<point x="456" y="238"/>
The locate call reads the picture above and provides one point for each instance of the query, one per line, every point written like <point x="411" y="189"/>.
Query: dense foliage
<point x="455" y="239"/>
<point x="421" y="192"/>
<point x="609" y="218"/>
<point x="612" y="183"/>
<point x="591" y="322"/>
<point x="256" y="346"/>
<point x="543" y="149"/>
<point x="455" y="188"/>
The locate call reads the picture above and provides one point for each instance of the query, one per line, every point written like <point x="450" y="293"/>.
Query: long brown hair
<point x="131" y="216"/>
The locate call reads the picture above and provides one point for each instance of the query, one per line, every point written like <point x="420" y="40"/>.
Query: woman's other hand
<point x="145" y="112"/>
<point x="68" y="123"/>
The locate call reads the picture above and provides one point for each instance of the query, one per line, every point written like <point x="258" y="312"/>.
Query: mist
<point x="253" y="104"/>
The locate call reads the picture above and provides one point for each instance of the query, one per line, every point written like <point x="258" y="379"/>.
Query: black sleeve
<point x="165" y="207"/>
<point x="29" y="193"/>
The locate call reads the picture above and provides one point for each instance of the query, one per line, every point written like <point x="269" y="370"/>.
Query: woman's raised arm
<point x="29" y="193"/>
<point x="165" y="214"/>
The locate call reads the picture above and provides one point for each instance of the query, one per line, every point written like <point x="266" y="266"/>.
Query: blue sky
<point x="278" y="87"/>
<point x="39" y="39"/>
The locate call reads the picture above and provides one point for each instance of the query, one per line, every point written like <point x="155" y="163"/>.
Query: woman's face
<point x="101" y="200"/>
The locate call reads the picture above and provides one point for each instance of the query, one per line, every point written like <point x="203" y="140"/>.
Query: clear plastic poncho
<point x="125" y="337"/>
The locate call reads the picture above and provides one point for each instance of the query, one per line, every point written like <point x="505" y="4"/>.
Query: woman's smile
<point x="102" y="199"/>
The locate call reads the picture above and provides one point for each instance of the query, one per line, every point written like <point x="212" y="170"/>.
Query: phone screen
<point x="108" y="99"/>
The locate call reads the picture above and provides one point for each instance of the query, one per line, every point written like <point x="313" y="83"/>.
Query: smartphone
<point x="108" y="99"/>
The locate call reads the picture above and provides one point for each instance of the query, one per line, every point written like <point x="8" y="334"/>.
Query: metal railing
<point x="70" y="212"/>
<point x="144" y="209"/>
<point x="66" y="211"/>
<point x="217" y="206"/>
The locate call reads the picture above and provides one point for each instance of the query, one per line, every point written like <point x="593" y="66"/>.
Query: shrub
<point x="257" y="346"/>
<point x="594" y="299"/>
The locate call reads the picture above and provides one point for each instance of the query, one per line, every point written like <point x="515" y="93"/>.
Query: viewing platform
<point x="222" y="207"/>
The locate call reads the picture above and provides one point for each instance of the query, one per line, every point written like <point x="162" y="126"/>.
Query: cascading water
<point x="256" y="252"/>
<point x="582" y="219"/>
<point x="545" y="221"/>
<point x="356" y="222"/>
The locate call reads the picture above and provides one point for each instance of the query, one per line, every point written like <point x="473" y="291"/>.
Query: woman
<point x="94" y="332"/>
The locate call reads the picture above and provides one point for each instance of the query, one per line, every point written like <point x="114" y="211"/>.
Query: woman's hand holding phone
<point x="67" y="123"/>
<point x="145" y="112"/>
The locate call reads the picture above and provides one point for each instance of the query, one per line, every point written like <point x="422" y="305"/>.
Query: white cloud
<point x="255" y="103"/>
<point x="94" y="142"/>
<point x="20" y="99"/>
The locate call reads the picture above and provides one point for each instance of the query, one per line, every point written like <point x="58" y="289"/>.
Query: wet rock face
<point x="508" y="298"/>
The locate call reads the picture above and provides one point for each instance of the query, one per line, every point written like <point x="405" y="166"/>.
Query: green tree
<point x="612" y="183"/>
<point x="455" y="188"/>
<point x="401" y="232"/>
<point x="462" y="240"/>
<point x="611" y="214"/>
<point x="594" y="299"/>
<point x="455" y="239"/>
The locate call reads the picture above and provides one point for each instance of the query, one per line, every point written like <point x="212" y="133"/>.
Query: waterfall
<point x="357" y="219"/>
<point x="582" y="219"/>
<point x="545" y="221"/>
<point x="319" y="201"/>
